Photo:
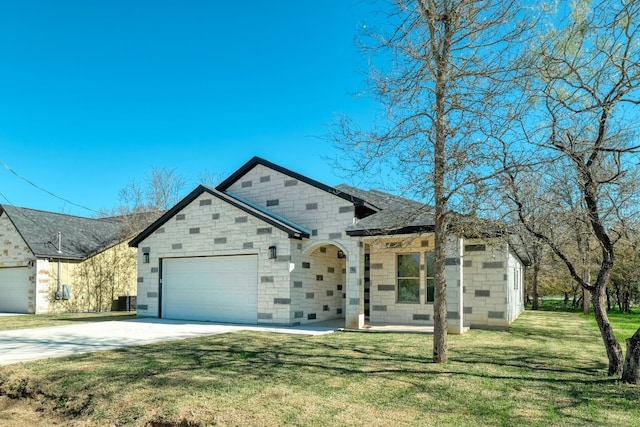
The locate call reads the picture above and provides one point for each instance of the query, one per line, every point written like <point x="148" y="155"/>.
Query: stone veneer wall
<point x="326" y="216"/>
<point x="211" y="227"/>
<point x="16" y="253"/>
<point x="486" y="283"/>
<point x="319" y="289"/>
<point x="384" y="307"/>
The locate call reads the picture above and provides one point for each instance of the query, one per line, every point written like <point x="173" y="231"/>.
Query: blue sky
<point x="94" y="94"/>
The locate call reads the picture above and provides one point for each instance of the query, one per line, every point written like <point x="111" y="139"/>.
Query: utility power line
<point x="44" y="189"/>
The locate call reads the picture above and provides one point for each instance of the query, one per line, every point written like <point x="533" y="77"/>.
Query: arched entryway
<point x="319" y="287"/>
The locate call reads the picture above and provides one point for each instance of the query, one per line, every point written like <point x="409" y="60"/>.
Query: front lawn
<point x="27" y="321"/>
<point x="624" y="324"/>
<point x="549" y="369"/>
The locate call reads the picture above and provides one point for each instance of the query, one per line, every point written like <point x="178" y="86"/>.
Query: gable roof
<point x="293" y="230"/>
<point x="255" y="161"/>
<point x="80" y="237"/>
<point x="397" y="215"/>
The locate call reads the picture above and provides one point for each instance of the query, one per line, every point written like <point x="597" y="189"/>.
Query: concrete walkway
<point x="58" y="341"/>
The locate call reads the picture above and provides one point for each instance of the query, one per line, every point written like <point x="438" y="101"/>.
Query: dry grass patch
<point x="549" y="369"/>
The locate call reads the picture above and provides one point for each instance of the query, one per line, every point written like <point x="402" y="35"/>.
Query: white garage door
<point x="14" y="290"/>
<point x="218" y="289"/>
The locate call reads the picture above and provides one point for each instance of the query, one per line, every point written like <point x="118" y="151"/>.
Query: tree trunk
<point x="442" y="53"/>
<point x="536" y="303"/>
<point x="631" y="371"/>
<point x="626" y="305"/>
<point x="440" y="351"/>
<point x="611" y="344"/>
<point x="617" y="288"/>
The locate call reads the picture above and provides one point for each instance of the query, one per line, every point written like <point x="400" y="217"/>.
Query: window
<point x="409" y="278"/>
<point x="428" y="271"/>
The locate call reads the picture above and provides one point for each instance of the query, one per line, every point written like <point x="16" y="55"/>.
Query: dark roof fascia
<point x="381" y="232"/>
<point x="224" y="185"/>
<point x="294" y="233"/>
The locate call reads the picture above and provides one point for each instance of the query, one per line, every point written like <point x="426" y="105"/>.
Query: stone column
<point x="354" y="316"/>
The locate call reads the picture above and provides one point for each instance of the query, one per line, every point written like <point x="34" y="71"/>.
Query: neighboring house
<point x="271" y="246"/>
<point x="51" y="262"/>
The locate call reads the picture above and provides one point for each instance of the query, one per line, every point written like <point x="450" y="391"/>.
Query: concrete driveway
<point x="44" y="343"/>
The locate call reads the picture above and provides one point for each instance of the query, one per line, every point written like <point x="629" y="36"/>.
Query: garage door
<point x="218" y="289"/>
<point x="14" y="290"/>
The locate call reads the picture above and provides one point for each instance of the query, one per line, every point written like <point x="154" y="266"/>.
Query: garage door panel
<point x="14" y="290"/>
<point x="222" y="289"/>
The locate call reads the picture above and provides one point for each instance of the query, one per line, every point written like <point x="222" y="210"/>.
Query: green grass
<point x="549" y="369"/>
<point x="624" y="324"/>
<point x="44" y="320"/>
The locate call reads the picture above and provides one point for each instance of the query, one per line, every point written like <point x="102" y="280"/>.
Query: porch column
<point x="354" y="316"/>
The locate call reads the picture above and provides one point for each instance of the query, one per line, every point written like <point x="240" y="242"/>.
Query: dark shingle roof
<point x="81" y="237"/>
<point x="397" y="214"/>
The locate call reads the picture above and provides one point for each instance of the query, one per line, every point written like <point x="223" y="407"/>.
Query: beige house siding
<point x="94" y="283"/>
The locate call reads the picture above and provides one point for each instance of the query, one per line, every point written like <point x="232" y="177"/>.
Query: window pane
<point x="430" y="267"/>
<point x="430" y="290"/>
<point x="409" y="265"/>
<point x="408" y="290"/>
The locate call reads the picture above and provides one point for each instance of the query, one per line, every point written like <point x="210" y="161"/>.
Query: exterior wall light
<point x="273" y="253"/>
<point x="341" y="254"/>
<point x="145" y="258"/>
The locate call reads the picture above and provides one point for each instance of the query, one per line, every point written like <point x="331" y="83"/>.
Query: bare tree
<point x="442" y="70"/>
<point x="586" y="86"/>
<point x="143" y="201"/>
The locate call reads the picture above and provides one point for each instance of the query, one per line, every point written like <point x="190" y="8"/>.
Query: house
<point x="271" y="246"/>
<point x="52" y="262"/>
